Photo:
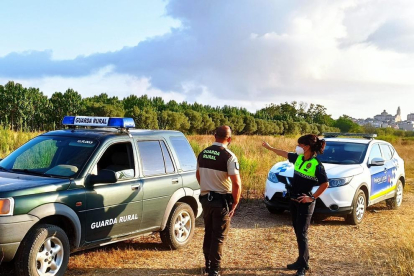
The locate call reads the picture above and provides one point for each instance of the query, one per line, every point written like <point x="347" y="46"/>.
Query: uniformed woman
<point x="308" y="172"/>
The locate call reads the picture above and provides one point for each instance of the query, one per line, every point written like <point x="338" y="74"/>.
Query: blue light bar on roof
<point x="121" y="122"/>
<point x="98" y="121"/>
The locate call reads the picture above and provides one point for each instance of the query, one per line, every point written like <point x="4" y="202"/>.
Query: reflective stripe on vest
<point x="306" y="169"/>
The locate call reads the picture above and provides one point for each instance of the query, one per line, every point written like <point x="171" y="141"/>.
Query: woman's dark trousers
<point x="301" y="219"/>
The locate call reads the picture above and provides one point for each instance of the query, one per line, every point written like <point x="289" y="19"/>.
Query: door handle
<point x="175" y="181"/>
<point x="136" y="187"/>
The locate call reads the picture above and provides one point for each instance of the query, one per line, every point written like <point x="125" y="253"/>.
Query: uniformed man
<point x="218" y="175"/>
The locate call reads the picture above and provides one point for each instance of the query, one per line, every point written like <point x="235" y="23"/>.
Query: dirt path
<point x="259" y="243"/>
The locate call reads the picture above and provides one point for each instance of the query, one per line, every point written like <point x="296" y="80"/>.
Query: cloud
<point x="344" y="54"/>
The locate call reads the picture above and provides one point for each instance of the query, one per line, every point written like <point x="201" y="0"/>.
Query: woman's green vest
<point x="306" y="169"/>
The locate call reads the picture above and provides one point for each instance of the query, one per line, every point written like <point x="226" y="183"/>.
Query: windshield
<point x="343" y="153"/>
<point x="50" y="156"/>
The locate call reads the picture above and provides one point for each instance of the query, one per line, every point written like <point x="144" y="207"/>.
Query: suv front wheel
<point x="180" y="226"/>
<point x="359" y="207"/>
<point x="44" y="251"/>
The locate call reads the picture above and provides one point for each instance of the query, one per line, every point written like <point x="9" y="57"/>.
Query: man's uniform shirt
<point x="215" y="164"/>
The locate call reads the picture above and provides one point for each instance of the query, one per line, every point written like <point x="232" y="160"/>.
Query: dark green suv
<point x="74" y="189"/>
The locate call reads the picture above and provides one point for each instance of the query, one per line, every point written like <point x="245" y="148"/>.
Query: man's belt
<point x="215" y="196"/>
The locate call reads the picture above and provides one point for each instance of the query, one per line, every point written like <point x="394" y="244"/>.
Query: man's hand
<point x="233" y="209"/>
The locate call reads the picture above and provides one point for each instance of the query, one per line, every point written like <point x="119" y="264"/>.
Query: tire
<point x="38" y="244"/>
<point x="180" y="227"/>
<point x="359" y="205"/>
<point x="275" y="210"/>
<point x="395" y="202"/>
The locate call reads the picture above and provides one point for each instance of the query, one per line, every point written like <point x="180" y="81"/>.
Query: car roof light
<point x="92" y="121"/>
<point x="121" y="122"/>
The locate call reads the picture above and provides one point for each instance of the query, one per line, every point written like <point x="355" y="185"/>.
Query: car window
<point x="49" y="155"/>
<point x="375" y="153"/>
<point x="386" y="152"/>
<point x="118" y="158"/>
<point x="37" y="157"/>
<point x="185" y="153"/>
<point x="151" y="157"/>
<point x="169" y="167"/>
<point x="392" y="150"/>
<point x="343" y="153"/>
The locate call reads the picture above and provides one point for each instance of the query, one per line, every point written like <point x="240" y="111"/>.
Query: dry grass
<point x="255" y="161"/>
<point x="261" y="244"/>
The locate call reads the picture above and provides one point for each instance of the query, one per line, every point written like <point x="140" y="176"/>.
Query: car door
<point x="379" y="179"/>
<point x="390" y="167"/>
<point x="114" y="210"/>
<point x="160" y="180"/>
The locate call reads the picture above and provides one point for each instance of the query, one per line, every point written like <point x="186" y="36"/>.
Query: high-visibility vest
<point x="306" y="169"/>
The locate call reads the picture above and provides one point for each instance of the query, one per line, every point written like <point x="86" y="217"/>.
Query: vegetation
<point x="29" y="109"/>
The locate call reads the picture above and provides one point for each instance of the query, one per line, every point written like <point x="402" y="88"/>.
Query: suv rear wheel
<point x="395" y="202"/>
<point x="180" y="226"/>
<point x="359" y="207"/>
<point x="44" y="251"/>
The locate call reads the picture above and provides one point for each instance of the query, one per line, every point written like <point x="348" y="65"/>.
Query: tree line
<point x="30" y="110"/>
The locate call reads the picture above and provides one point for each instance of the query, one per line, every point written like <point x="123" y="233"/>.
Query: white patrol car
<point x="361" y="172"/>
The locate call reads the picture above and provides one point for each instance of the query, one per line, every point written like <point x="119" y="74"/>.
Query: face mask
<point x="299" y="150"/>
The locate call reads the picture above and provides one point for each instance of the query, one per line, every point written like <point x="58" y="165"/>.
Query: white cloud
<point x="341" y="54"/>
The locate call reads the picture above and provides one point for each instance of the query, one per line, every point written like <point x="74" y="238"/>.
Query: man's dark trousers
<point x="301" y="219"/>
<point x="216" y="225"/>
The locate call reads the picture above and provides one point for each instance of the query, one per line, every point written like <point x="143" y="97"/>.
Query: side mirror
<point x="104" y="176"/>
<point x="377" y="161"/>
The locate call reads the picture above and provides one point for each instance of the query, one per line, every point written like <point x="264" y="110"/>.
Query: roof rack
<point x="337" y="134"/>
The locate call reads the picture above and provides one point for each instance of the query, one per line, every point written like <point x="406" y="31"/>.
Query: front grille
<point x="283" y="179"/>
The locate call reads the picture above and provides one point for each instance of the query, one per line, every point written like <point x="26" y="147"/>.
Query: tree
<point x="236" y="123"/>
<point x="293" y="128"/>
<point x="173" y="120"/>
<point x="144" y="119"/>
<point x="195" y="119"/>
<point x="207" y="125"/>
<point x="219" y="119"/>
<point x="249" y="125"/>
<point x="345" y="124"/>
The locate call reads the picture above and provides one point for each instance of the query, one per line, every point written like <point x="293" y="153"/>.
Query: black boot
<point x="207" y="268"/>
<point x="300" y="272"/>
<point x="214" y="272"/>
<point x="296" y="266"/>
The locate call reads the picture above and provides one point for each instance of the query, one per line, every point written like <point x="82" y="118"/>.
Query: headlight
<point x="6" y="206"/>
<point x="337" y="182"/>
<point x="272" y="177"/>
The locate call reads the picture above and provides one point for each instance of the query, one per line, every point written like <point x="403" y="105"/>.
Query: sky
<point x="353" y="57"/>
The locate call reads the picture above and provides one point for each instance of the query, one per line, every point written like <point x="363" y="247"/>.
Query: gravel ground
<point x="259" y="243"/>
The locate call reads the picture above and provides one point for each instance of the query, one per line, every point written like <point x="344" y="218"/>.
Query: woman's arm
<point x="277" y="151"/>
<point x="305" y="198"/>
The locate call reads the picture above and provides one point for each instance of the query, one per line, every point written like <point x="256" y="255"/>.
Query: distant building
<point x="406" y="125"/>
<point x="385" y="120"/>
<point x="388" y="118"/>
<point x="410" y="117"/>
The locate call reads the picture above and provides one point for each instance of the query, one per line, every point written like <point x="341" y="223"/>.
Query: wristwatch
<point x="311" y="196"/>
